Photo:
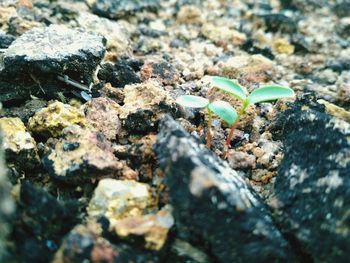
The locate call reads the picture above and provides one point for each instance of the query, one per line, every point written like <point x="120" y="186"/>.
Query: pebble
<point x="102" y="114"/>
<point x="51" y="120"/>
<point x="19" y="145"/>
<point x="117" y="199"/>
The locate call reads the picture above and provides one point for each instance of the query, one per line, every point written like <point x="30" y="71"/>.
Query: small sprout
<point x="225" y="111"/>
<point x="221" y="108"/>
<point x="262" y="94"/>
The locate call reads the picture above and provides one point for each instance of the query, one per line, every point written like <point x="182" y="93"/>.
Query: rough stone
<point x="40" y="224"/>
<point x="85" y="243"/>
<point x="143" y="105"/>
<point x="223" y="35"/>
<point x="279" y="23"/>
<point x="255" y="68"/>
<point x="20" y="147"/>
<point x="342" y="8"/>
<point x="102" y="114"/>
<point x="163" y="71"/>
<point x="119" y="74"/>
<point x="313" y="182"/>
<point x="241" y="160"/>
<point x="189" y="14"/>
<point x="117" y="35"/>
<point x="152" y="228"/>
<point x="213" y="204"/>
<point x="5" y="40"/>
<point x="6" y="208"/>
<point x="25" y="111"/>
<point x="50" y="121"/>
<point x="182" y="251"/>
<point x="56" y="49"/>
<point x="81" y="155"/>
<point x="122" y="8"/>
<point x="116" y="199"/>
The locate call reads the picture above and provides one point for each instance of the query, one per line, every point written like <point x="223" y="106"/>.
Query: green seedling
<point x="261" y="94"/>
<point x="221" y="108"/>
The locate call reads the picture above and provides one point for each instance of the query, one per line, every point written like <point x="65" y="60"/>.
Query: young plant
<point x="221" y="108"/>
<point x="261" y="94"/>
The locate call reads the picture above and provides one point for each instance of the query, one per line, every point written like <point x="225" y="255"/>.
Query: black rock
<point x="213" y="205"/>
<point x="302" y="46"/>
<point x="32" y="63"/>
<point x="41" y="223"/>
<point x="279" y="23"/>
<point x="249" y="47"/>
<point x="121" y="8"/>
<point x="342" y="9"/>
<point x="122" y="73"/>
<point x="312" y="187"/>
<point x="303" y="5"/>
<point x="5" y="40"/>
<point x="56" y="49"/>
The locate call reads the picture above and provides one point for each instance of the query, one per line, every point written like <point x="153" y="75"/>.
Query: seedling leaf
<point x="192" y="101"/>
<point x="225" y="111"/>
<point x="230" y="87"/>
<point x="269" y="93"/>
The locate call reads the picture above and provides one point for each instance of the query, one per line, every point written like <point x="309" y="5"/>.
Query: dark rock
<point x="301" y="45"/>
<point x="312" y="188"/>
<point x="85" y="243"/>
<point x="119" y="74"/>
<point x="342" y="9"/>
<point x="6" y="207"/>
<point x="303" y="5"/>
<point x="118" y="9"/>
<point x="41" y="223"/>
<point x="213" y="205"/>
<point x="249" y="47"/>
<point x="279" y="23"/>
<point x="33" y="62"/>
<point x="5" y="40"/>
<point x="56" y="49"/>
<point x="149" y="32"/>
<point x="339" y="65"/>
<point x="26" y="111"/>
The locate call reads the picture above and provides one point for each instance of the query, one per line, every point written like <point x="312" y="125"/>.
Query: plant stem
<point x="209" y="136"/>
<point x="233" y="127"/>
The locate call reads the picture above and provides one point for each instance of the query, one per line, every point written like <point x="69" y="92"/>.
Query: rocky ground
<point x="104" y="166"/>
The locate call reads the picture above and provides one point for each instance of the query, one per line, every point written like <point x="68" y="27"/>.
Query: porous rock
<point x="213" y="204"/>
<point x="19" y="145"/>
<point x="82" y="155"/>
<point x="152" y="228"/>
<point x="117" y="199"/>
<point x="56" y="49"/>
<point x="143" y="105"/>
<point x="102" y="115"/>
<point x="312" y="186"/>
<point x="51" y="120"/>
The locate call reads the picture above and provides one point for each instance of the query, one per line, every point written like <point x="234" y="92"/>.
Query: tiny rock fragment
<point x="221" y="34"/>
<point x="163" y="71"/>
<point x="282" y="46"/>
<point x="50" y="121"/>
<point x="241" y="160"/>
